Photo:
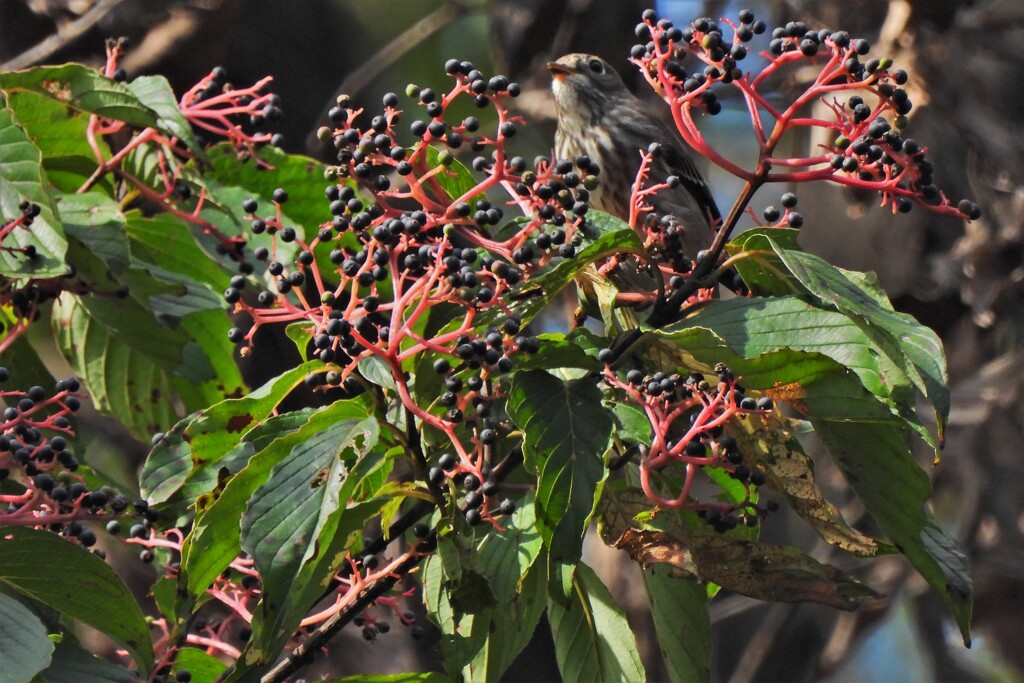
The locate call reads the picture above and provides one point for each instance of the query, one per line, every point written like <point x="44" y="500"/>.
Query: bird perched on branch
<point x="598" y="117"/>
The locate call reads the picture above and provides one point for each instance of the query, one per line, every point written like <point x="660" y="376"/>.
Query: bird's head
<point x="585" y="84"/>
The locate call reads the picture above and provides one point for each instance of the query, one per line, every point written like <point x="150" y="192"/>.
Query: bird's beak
<point x="559" y="71"/>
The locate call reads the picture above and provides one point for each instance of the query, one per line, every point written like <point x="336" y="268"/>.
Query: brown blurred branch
<point x="377" y="63"/>
<point x="62" y="37"/>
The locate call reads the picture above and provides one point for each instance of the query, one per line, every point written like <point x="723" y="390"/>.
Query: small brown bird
<point x="600" y="118"/>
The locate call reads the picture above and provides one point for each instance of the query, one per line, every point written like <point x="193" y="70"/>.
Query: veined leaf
<point x="299" y="522"/>
<point x="60" y="135"/>
<point x="682" y="624"/>
<point x="123" y="356"/>
<point x="875" y="459"/>
<point x="22" y="180"/>
<point x="846" y="416"/>
<point x="593" y="641"/>
<point x="38" y="564"/>
<point x="300" y="175"/>
<point x="214" y="540"/>
<point x="25" y="649"/>
<point x="568" y="431"/>
<point x="82" y="89"/>
<point x="200" y="442"/>
<point x="909" y="354"/>
<point x="487" y="595"/>
<point x="155" y="92"/>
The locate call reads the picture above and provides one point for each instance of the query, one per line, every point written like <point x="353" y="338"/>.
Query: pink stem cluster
<point x="408" y="295"/>
<point x="237" y="593"/>
<point x="895" y="176"/>
<point x="702" y="411"/>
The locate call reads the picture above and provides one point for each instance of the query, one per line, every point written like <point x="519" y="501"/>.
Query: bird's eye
<point x="596" y="66"/>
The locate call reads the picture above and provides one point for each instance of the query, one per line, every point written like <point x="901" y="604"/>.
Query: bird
<point x="599" y="118"/>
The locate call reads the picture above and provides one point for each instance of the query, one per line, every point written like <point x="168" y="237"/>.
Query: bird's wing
<point x="680" y="164"/>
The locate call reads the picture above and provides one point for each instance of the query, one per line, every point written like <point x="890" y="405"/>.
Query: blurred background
<point x="966" y="60"/>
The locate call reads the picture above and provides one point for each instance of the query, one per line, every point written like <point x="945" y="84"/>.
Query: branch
<point x="64" y="35"/>
<point x="302" y="654"/>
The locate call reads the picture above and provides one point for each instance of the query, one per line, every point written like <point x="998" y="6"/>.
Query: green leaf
<point x="214" y="540"/>
<point x="167" y="241"/>
<point x="72" y="663"/>
<point x="232" y="181"/>
<point x="508" y="630"/>
<point x="377" y="371"/>
<point x="487" y="595"/>
<point x="296" y="526"/>
<point x="124" y="358"/>
<point x="599" y="223"/>
<point x="908" y="353"/>
<point x="756" y="326"/>
<point x="300" y="332"/>
<point x="55" y="130"/>
<point x="61" y="136"/>
<point x="38" y="565"/>
<point x="593" y="640"/>
<point x="202" y="440"/>
<point x="567" y="432"/>
<point x="22" y="180"/>
<point x="877" y="463"/>
<point x="564" y="351"/>
<point x="427" y="677"/>
<point x="155" y="92"/>
<point x="25" y="649"/>
<point x="96" y="221"/>
<point x="510" y="561"/>
<point x="530" y="297"/>
<point x="443" y="584"/>
<point x="682" y="624"/>
<point x="163" y="592"/>
<point x="911" y="347"/>
<point x="82" y="89"/>
<point x="203" y="667"/>
<point x="166" y="253"/>
<point x="885" y="476"/>
<point x="209" y="331"/>
<point x="456" y="181"/>
<point x="760" y="267"/>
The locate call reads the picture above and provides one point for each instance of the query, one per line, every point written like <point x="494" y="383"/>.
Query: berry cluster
<point x="785" y="217"/>
<point x="479" y="499"/>
<point x="36" y="456"/>
<point x="688" y="416"/>
<point x="23" y="296"/>
<point x="867" y="150"/>
<point x="411" y="236"/>
<point x="373" y="625"/>
<point x="29" y="211"/>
